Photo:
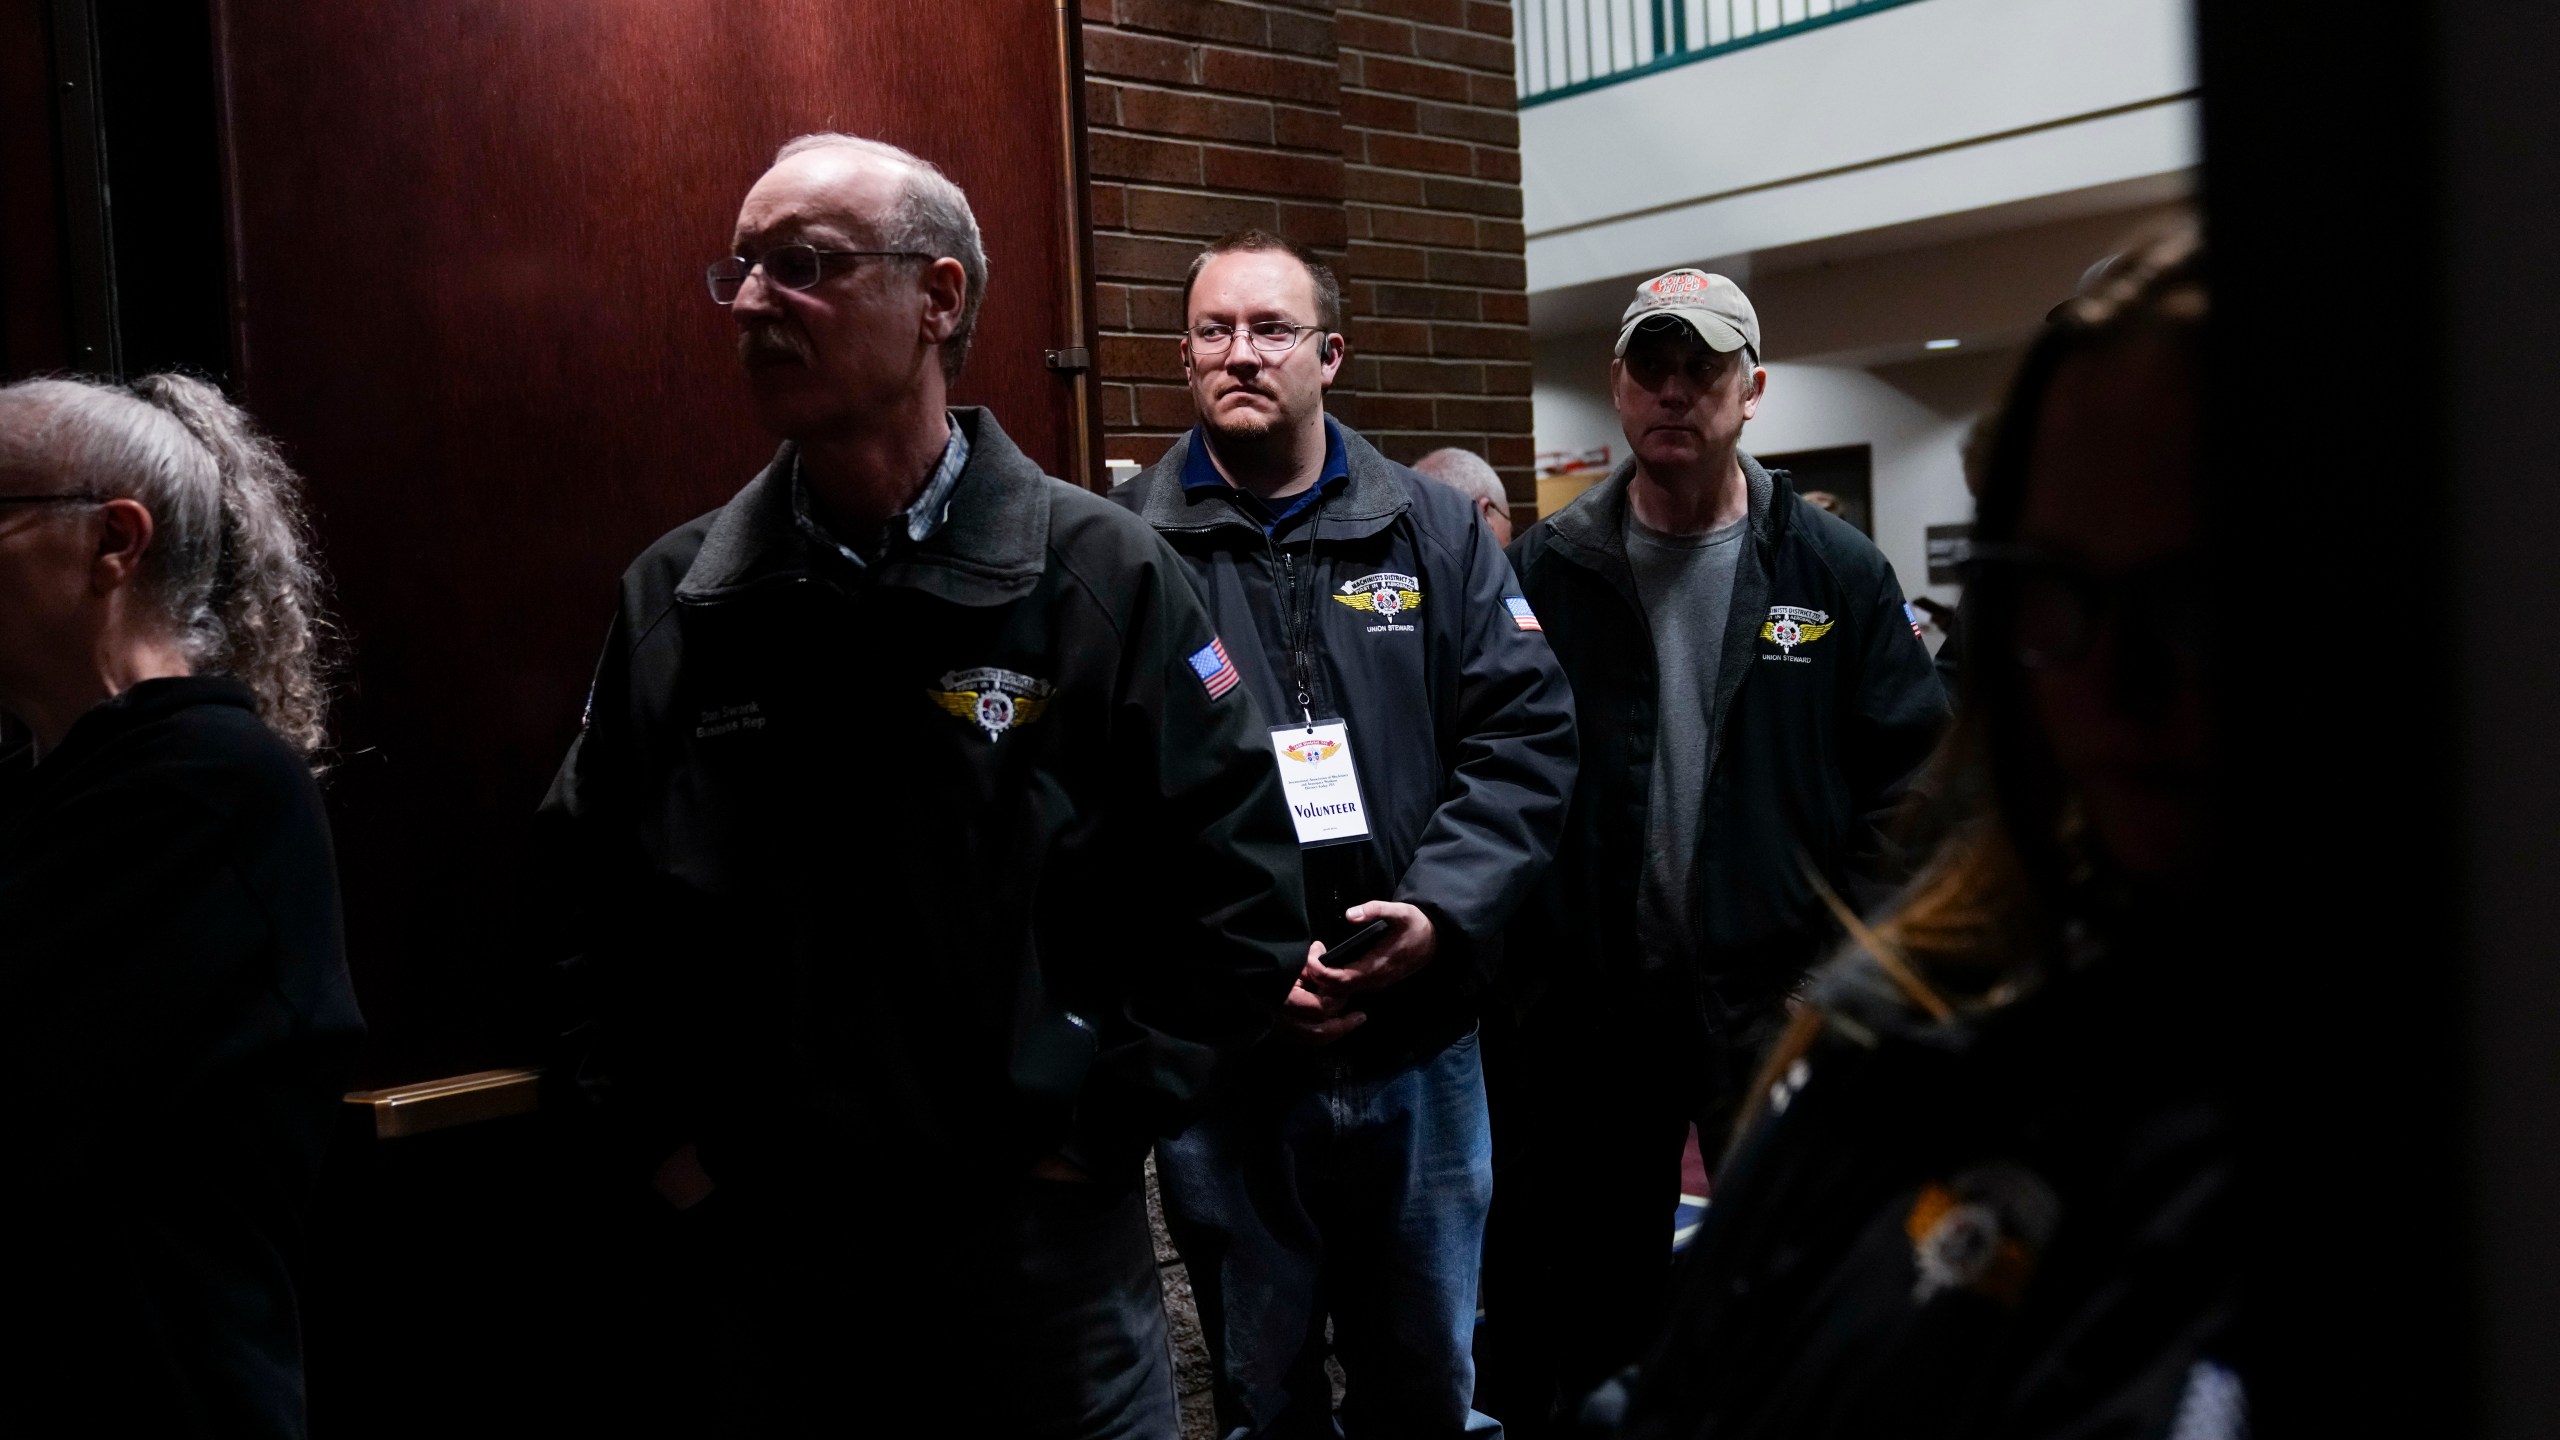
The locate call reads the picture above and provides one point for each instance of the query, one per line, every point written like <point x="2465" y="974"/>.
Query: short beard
<point x="774" y="340"/>
<point x="1247" y="429"/>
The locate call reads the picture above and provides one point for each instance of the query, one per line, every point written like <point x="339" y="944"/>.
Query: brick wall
<point x="1380" y="133"/>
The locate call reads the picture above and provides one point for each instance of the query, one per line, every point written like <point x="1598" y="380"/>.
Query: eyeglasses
<point x="793" y="267"/>
<point x="1268" y="337"/>
<point x="2054" y="607"/>
<point x="64" y="497"/>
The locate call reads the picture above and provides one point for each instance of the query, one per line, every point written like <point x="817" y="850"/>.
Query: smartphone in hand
<point x="1356" y="944"/>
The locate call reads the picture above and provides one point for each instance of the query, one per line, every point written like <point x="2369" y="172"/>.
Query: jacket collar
<point x="137" y="706"/>
<point x="992" y="548"/>
<point x="1373" y="496"/>
<point x="1593" y="529"/>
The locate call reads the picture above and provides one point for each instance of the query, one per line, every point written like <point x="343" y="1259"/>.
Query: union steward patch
<point x="1386" y="594"/>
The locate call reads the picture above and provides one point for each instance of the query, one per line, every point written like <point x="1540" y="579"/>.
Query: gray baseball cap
<point x="1714" y="306"/>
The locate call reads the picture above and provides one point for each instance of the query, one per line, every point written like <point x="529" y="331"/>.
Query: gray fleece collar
<point x="1596" y="520"/>
<point x="992" y="548"/>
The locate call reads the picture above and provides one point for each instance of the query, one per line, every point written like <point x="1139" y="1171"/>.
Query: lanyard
<point x="1298" y="631"/>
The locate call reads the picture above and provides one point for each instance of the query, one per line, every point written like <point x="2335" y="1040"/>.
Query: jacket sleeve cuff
<point x="1456" y="946"/>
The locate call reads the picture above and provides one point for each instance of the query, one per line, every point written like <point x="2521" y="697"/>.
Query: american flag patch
<point x="1911" y="613"/>
<point x="1521" y="615"/>
<point x="1215" y="670"/>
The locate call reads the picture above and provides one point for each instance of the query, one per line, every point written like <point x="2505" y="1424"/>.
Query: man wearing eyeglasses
<point x="1754" y="704"/>
<point x="865" y="759"/>
<point x="1425" y="741"/>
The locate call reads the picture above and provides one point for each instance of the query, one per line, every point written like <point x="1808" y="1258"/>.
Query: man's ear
<point x="946" y="298"/>
<point x="1337" y="350"/>
<point x="1759" y="386"/>
<point x="125" y="528"/>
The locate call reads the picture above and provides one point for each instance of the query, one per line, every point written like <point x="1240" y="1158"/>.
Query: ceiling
<point x="1982" y="277"/>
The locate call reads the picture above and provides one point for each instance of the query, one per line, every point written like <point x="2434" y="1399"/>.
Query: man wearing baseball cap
<point x="1754" y="704"/>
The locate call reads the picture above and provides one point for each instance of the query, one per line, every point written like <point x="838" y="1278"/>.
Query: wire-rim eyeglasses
<point x="1268" y="337"/>
<point x="791" y="267"/>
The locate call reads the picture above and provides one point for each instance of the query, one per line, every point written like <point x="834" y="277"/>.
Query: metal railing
<point x="1565" y="47"/>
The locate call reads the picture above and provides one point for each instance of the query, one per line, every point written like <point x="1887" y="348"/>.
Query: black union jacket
<point x="176" y="1028"/>
<point x="2011" y="1221"/>
<point x="854" y="846"/>
<point x="1819" y="741"/>
<point x="1461" y="724"/>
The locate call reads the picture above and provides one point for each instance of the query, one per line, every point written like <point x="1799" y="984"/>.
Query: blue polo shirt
<point x="1200" y="474"/>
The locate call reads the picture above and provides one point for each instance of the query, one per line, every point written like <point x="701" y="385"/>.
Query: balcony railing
<point x="1568" y="46"/>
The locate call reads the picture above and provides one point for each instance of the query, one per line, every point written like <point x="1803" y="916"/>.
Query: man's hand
<point x="1410" y="944"/>
<point x="681" y="1180"/>
<point x="1315" y="1019"/>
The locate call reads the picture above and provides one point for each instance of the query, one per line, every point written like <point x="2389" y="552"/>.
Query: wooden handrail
<point x="456" y="1100"/>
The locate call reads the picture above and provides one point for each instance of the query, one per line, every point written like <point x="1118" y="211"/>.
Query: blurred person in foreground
<point x="175" y="1017"/>
<point x="1986" y="1192"/>
<point x="1471" y="475"/>
<point x="1754" y="707"/>
<point x="925" y="867"/>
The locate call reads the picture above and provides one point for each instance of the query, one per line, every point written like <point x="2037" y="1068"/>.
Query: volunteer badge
<point x="1385" y="594"/>
<point x="993" y="700"/>
<point x="1789" y="626"/>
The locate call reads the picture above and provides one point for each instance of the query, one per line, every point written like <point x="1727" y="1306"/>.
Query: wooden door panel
<point x="467" y="248"/>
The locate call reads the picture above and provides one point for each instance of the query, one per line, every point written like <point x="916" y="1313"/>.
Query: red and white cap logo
<point x="1713" y="305"/>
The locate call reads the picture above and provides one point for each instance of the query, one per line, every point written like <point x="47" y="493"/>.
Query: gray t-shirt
<point x="1685" y="583"/>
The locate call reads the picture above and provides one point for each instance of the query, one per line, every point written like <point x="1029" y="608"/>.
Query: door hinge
<point x="1072" y="360"/>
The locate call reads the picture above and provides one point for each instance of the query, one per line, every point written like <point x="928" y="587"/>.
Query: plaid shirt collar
<point x="923" y="518"/>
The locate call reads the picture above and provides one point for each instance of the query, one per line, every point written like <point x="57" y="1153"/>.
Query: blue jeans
<point x="1363" y="1198"/>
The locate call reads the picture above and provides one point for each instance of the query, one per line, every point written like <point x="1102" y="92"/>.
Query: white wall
<point x="1914" y="415"/>
<point x="1926" y="109"/>
<point x="1569" y="395"/>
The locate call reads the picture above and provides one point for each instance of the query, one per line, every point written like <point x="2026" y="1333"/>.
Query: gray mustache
<point x="774" y="342"/>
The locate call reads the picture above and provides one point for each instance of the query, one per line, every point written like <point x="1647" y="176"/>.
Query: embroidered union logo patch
<point x="1789" y="626"/>
<point x="1386" y="595"/>
<point x="993" y="700"/>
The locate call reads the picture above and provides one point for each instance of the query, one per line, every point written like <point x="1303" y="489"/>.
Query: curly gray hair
<point x="231" y="564"/>
<point x="932" y="217"/>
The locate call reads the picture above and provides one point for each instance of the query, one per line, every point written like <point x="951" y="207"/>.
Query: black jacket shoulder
<point x="649" y="581"/>
<point x="1099" y="540"/>
<point x="1446" y="518"/>
<point x="1851" y="556"/>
